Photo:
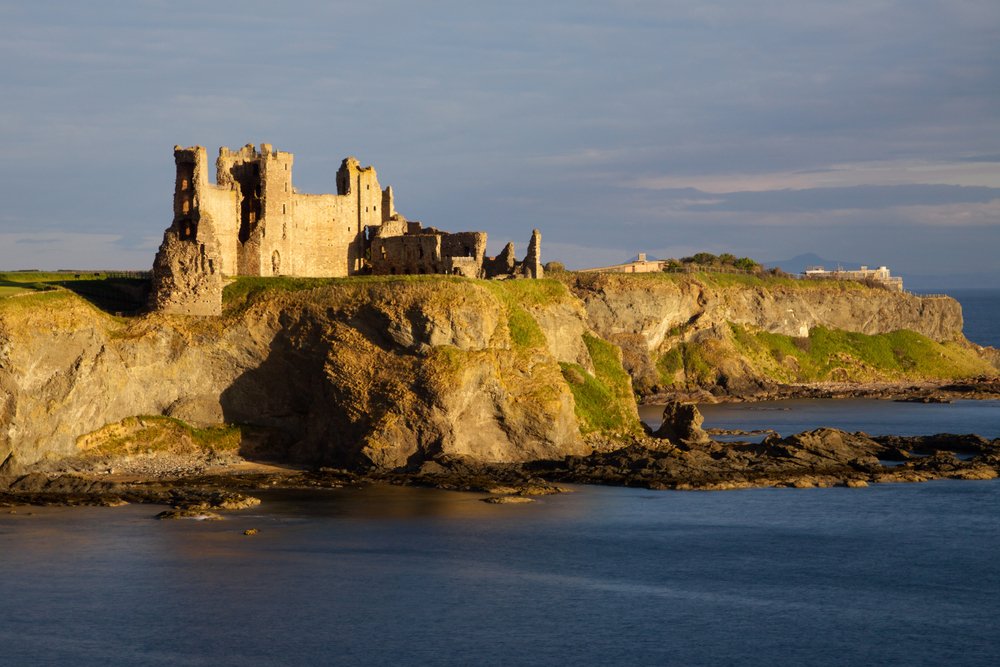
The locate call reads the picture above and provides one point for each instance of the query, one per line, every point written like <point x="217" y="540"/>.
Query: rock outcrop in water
<point x="820" y="458"/>
<point x="682" y="423"/>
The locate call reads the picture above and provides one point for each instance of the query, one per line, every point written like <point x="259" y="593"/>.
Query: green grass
<point x="528" y="292"/>
<point x="243" y="291"/>
<point x="604" y="400"/>
<point x="524" y="330"/>
<point x="42" y="277"/>
<point x="22" y="285"/>
<point x="514" y="295"/>
<point x="147" y="434"/>
<point x="34" y="300"/>
<point x="831" y="354"/>
<point x="111" y="292"/>
<point x="723" y="280"/>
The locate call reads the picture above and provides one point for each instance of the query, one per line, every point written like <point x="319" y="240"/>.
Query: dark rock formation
<point x="682" y="423"/>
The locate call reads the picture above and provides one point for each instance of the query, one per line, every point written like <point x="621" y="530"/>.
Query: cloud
<point x="979" y="172"/>
<point x="859" y="197"/>
<point x="66" y="250"/>
<point x="673" y="125"/>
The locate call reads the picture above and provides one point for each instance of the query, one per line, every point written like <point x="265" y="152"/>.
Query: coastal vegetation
<point x="716" y="279"/>
<point x="825" y="355"/>
<point x="155" y="434"/>
<point x="390" y="371"/>
<point x="604" y="400"/>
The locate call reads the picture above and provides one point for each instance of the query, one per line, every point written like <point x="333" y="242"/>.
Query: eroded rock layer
<point x="376" y="372"/>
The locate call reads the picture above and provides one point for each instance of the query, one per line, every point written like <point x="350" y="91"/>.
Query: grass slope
<point x="826" y="355"/>
<point x="604" y="400"/>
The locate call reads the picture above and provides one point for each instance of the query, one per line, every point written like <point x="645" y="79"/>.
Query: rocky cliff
<point x="391" y="371"/>
<point x="730" y="333"/>
<point x="381" y="372"/>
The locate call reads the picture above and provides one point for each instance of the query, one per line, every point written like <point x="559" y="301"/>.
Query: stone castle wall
<point x="252" y="222"/>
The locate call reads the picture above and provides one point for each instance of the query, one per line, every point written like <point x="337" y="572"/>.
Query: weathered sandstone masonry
<point x="253" y="222"/>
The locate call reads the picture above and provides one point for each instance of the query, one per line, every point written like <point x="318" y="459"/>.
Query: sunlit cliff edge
<point x="387" y="372"/>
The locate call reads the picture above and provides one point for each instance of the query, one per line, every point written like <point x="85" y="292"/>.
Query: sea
<point x="893" y="574"/>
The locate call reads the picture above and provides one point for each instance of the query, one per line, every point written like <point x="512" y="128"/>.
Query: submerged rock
<point x="196" y="515"/>
<point x="507" y="500"/>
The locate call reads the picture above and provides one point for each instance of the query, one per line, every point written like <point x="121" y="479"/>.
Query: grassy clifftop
<point x="712" y="279"/>
<point x="744" y="356"/>
<point x="385" y="370"/>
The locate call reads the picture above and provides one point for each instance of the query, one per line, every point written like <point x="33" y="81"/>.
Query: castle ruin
<point x="253" y="222"/>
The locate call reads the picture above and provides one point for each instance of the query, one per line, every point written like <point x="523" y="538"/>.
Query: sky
<point x="861" y="130"/>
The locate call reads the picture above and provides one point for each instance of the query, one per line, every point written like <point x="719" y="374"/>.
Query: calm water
<point x="981" y="312"/>
<point x="896" y="574"/>
<point x="869" y="415"/>
<point x="892" y="574"/>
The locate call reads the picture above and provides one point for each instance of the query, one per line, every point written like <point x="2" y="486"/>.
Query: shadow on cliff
<point x="114" y="295"/>
<point x="292" y="408"/>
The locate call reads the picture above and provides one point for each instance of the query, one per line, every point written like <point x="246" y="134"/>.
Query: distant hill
<point x="800" y="263"/>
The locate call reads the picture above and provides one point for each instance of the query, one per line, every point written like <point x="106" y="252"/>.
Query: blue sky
<point x="862" y="130"/>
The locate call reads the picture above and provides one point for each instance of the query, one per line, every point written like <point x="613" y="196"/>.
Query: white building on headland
<point x="641" y="265"/>
<point x="879" y="275"/>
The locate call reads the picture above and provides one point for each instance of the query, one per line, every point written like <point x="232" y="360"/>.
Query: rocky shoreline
<point x="979" y="388"/>
<point x="819" y="458"/>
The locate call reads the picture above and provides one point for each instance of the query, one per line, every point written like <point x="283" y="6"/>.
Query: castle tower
<point x="187" y="271"/>
<point x="262" y="182"/>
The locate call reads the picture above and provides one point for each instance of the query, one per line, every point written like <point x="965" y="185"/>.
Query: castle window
<point x="282" y="209"/>
<point x="188" y="230"/>
<point x="186" y="205"/>
<point x="185" y="176"/>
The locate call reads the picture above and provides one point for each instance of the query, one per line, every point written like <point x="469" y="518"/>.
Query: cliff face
<point x="726" y="333"/>
<point x="380" y="372"/>
<point x="391" y="371"/>
<point x="652" y="306"/>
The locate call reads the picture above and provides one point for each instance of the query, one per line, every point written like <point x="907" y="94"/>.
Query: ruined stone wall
<point x="220" y="208"/>
<point x="187" y="271"/>
<point x="464" y="244"/>
<point x="412" y="254"/>
<point x="531" y="267"/>
<point x="326" y="239"/>
<point x="277" y="212"/>
<point x="252" y="222"/>
<point x="501" y="265"/>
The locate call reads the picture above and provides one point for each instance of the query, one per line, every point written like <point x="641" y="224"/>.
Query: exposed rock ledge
<point x="820" y="458"/>
<point x="381" y="374"/>
<point x="376" y="373"/>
